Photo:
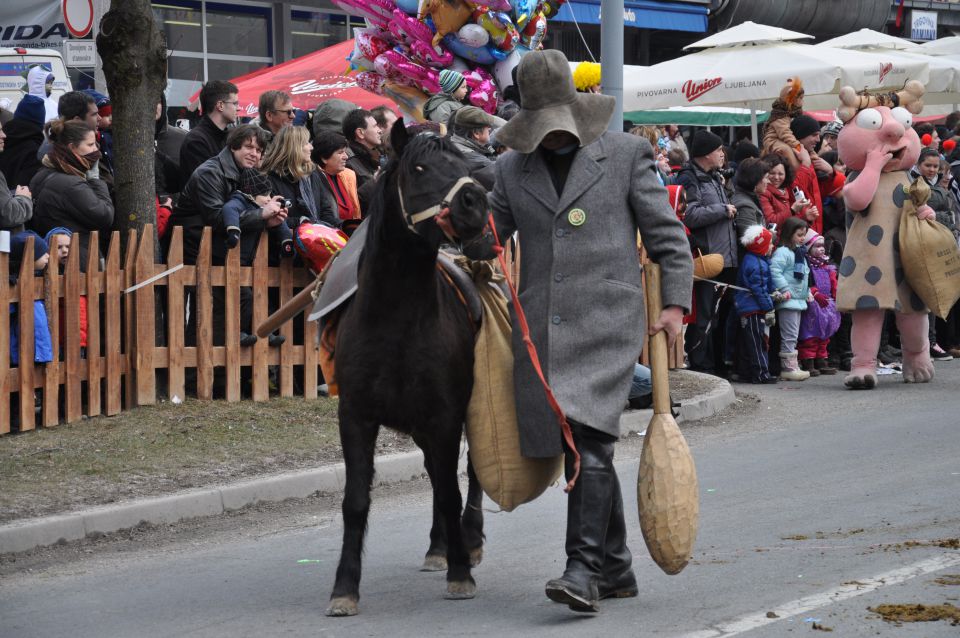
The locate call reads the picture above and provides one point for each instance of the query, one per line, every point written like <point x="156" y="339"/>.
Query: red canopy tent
<point x="309" y="79"/>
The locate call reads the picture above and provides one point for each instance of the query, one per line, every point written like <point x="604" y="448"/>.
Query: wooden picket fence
<point x="119" y="367"/>
<point x="125" y="350"/>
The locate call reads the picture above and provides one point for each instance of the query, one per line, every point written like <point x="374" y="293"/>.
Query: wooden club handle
<point x="287" y="311"/>
<point x="658" y="342"/>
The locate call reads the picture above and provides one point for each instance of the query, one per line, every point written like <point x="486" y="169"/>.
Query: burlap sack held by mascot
<point x="492" y="431"/>
<point x="929" y="254"/>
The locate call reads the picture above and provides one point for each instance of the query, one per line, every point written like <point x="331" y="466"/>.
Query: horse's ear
<point x="399" y="137"/>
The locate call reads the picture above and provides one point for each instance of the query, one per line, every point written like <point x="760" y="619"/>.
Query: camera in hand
<point x="286" y="203"/>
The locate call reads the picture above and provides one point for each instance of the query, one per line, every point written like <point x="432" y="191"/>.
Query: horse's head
<point x="439" y="199"/>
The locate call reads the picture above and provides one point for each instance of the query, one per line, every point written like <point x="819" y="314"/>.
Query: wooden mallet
<point x="667" y="490"/>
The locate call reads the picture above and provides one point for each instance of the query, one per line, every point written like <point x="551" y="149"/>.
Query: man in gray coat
<point x="710" y="218"/>
<point x="577" y="194"/>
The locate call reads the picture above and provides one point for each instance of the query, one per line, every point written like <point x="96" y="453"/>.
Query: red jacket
<point x="812" y="186"/>
<point x="776" y="205"/>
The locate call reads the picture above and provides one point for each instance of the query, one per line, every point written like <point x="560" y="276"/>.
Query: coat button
<point x="560" y="232"/>
<point x="558" y="277"/>
<point x="556" y="320"/>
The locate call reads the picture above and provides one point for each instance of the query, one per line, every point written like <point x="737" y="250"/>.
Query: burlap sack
<point x="929" y="254"/>
<point x="492" y="431"/>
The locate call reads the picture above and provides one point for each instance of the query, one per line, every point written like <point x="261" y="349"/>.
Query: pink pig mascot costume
<point x="878" y="144"/>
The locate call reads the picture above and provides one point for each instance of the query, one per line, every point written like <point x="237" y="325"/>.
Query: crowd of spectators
<point x="246" y="178"/>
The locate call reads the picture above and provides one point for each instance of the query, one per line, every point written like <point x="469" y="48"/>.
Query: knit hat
<point x="59" y="230"/>
<point x="450" y="81"/>
<point x="757" y="239"/>
<point x="704" y="143"/>
<point x="803" y="126"/>
<point x="31" y="109"/>
<point x="832" y="128"/>
<point x="811" y="238"/>
<point x="102" y="102"/>
<point x="18" y="244"/>
<point x="253" y="182"/>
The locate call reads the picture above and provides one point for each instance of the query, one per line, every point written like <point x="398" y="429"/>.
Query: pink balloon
<point x="371" y="81"/>
<point x="370" y="44"/>
<point x="428" y="55"/>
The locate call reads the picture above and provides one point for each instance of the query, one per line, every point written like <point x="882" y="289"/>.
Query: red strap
<point x="535" y="360"/>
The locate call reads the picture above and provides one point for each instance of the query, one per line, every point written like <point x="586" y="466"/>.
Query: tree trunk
<point x="134" y="55"/>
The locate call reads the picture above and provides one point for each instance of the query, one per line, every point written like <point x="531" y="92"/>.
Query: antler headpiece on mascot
<point x="909" y="97"/>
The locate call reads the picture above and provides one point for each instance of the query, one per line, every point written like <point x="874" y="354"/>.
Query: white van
<point x="16" y="63"/>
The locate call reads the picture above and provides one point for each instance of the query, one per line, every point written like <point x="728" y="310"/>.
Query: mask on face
<point x="566" y="150"/>
<point x="93" y="156"/>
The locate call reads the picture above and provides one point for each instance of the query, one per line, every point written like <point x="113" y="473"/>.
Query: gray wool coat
<point x="580" y="286"/>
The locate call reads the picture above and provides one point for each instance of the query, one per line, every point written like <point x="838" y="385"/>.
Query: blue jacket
<point x="42" y="343"/>
<point x="754" y="274"/>
<point x="781" y="269"/>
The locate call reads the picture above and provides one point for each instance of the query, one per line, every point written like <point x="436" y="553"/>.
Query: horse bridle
<point x="441" y="211"/>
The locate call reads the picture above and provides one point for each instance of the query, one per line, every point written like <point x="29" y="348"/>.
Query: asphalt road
<point x="808" y="494"/>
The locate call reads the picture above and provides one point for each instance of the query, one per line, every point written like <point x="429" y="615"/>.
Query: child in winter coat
<point x="755" y="305"/>
<point x="254" y="194"/>
<point x="42" y="343"/>
<point x="58" y="240"/>
<point x="790" y="273"/>
<point x="821" y="320"/>
<point x="453" y="89"/>
<point x="778" y="137"/>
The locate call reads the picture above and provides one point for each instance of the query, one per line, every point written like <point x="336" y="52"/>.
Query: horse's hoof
<point x="476" y="556"/>
<point x="461" y="590"/>
<point x="342" y="606"/>
<point x="434" y="563"/>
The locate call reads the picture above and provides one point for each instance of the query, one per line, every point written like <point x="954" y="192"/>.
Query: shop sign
<point x="923" y="25"/>
<point x="32" y="24"/>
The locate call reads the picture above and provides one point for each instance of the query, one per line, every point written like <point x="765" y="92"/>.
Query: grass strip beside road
<point x="160" y="449"/>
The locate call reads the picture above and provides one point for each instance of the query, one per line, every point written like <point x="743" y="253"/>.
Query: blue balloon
<point x="523" y="8"/>
<point x="408" y="6"/>
<point x="486" y="54"/>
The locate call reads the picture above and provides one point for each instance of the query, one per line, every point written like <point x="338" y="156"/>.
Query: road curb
<point x="28" y="534"/>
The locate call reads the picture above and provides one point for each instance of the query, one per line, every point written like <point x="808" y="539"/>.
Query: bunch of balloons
<point x="406" y="44"/>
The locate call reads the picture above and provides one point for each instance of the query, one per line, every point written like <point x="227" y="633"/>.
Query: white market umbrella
<point x="737" y="75"/>
<point x="944" y="46"/>
<point x="942" y="82"/>
<point x="753" y="76"/>
<point x="747" y="33"/>
<point x="868" y="39"/>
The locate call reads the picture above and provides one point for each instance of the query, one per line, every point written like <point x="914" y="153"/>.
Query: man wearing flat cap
<point x="470" y="131"/>
<point x="577" y="194"/>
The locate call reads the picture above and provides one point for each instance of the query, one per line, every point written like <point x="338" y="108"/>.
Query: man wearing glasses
<point x="276" y="111"/>
<point x="218" y="102"/>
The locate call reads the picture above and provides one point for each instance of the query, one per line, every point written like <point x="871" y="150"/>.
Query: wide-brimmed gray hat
<point x="550" y="102"/>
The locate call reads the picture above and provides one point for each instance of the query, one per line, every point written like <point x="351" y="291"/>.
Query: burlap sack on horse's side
<point x="929" y="254"/>
<point x="492" y="431"/>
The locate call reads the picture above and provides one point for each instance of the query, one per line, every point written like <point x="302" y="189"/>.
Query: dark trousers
<point x="948" y="331"/>
<point x="705" y="341"/>
<point x="752" y="359"/>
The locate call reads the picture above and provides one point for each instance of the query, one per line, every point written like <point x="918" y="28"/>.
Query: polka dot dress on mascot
<point x="879" y="145"/>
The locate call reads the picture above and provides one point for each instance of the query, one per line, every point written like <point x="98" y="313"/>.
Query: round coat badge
<point x="576" y="217"/>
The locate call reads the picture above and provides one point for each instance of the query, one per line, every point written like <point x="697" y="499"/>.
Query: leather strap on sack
<point x="535" y="360"/>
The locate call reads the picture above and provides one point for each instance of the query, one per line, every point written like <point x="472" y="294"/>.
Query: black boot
<point x="588" y="514"/>
<point x="617" y="579"/>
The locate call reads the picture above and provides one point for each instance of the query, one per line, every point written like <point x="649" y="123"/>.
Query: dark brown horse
<point x="404" y="355"/>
